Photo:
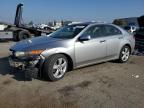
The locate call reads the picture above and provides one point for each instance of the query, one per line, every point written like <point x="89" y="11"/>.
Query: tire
<point x="15" y="36"/>
<point x="55" y="67"/>
<point x="23" y="35"/>
<point x="124" y="54"/>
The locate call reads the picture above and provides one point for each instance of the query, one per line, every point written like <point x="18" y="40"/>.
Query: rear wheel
<point x="23" y="35"/>
<point x="55" y="67"/>
<point x="124" y="54"/>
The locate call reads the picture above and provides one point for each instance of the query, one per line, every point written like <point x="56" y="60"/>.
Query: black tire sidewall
<point x="21" y="35"/>
<point x="15" y="36"/>
<point x="48" y="65"/>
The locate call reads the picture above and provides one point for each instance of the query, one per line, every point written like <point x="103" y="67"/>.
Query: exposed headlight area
<point x="20" y="54"/>
<point x="27" y="58"/>
<point x="29" y="61"/>
<point x="26" y="54"/>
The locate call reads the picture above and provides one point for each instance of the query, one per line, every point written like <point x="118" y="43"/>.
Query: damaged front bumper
<point x="31" y="67"/>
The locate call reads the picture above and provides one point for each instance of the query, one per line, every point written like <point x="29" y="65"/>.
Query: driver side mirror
<point x="85" y="38"/>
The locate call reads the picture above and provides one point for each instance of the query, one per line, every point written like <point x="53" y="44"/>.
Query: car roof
<point x="87" y="23"/>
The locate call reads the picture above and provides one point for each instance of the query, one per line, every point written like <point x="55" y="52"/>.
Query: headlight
<point x="20" y="54"/>
<point x="29" y="53"/>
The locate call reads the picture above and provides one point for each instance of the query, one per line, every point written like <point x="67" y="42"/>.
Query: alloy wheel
<point x="59" y="67"/>
<point x="125" y="54"/>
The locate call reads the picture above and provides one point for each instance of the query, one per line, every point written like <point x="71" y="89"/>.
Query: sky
<point x="40" y="11"/>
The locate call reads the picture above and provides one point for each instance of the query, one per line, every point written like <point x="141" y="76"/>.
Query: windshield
<point x="68" y="32"/>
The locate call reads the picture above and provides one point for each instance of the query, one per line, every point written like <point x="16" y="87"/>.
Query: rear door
<point x="113" y="37"/>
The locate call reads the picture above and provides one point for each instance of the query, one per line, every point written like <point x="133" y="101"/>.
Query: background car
<point x="139" y="37"/>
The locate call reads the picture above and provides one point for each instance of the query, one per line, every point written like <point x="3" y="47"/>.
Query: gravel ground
<point x="105" y="85"/>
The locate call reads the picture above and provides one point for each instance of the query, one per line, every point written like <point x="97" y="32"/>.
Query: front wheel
<point x="55" y="67"/>
<point x="124" y="54"/>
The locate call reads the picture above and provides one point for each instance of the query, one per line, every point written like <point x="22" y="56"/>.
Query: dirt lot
<point x="106" y="85"/>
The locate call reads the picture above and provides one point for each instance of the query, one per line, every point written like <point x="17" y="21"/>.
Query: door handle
<point x="102" y="41"/>
<point x="120" y="38"/>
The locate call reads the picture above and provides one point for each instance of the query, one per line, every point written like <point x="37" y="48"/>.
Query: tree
<point x="31" y="23"/>
<point x="120" y="22"/>
<point x="55" y="22"/>
<point x="62" y="22"/>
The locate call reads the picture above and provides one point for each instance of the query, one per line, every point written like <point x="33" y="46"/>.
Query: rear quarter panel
<point x="128" y="39"/>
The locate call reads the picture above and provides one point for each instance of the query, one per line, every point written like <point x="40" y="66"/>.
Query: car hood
<point x="38" y="43"/>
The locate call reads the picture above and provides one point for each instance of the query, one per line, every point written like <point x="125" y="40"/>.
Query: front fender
<point x="60" y="50"/>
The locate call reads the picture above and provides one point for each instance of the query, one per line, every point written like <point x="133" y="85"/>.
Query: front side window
<point x="94" y="31"/>
<point x="68" y="32"/>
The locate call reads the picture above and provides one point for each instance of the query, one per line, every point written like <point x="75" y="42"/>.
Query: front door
<point x="91" y="50"/>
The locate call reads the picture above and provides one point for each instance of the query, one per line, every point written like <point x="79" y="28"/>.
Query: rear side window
<point x="102" y="31"/>
<point x="111" y="30"/>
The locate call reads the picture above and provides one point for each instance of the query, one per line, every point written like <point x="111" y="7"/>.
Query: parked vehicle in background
<point x="71" y="47"/>
<point x="2" y="27"/>
<point x="22" y="31"/>
<point x="41" y="26"/>
<point x="130" y="29"/>
<point x="139" y="37"/>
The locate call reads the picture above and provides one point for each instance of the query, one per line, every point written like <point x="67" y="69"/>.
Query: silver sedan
<point x="71" y="47"/>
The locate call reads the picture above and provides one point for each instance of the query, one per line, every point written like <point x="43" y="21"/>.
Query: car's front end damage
<point x="29" y="62"/>
<point x="29" y="55"/>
